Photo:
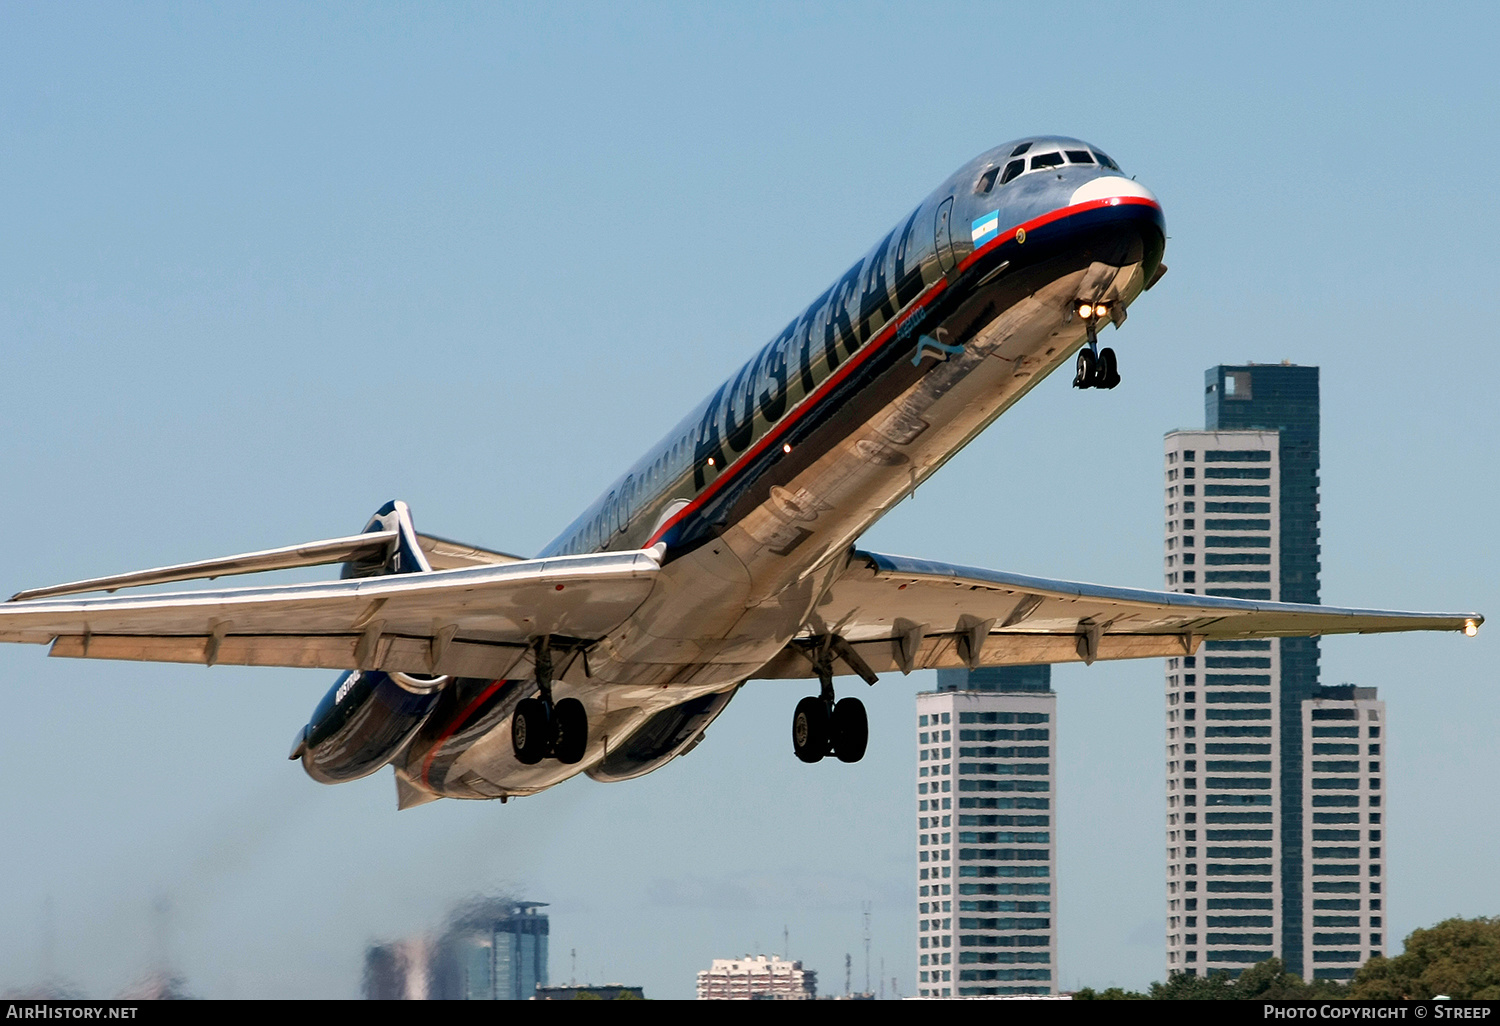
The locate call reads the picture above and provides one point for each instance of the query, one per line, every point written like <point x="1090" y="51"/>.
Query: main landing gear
<point x="821" y="726"/>
<point x="541" y="727"/>
<point x="1097" y="368"/>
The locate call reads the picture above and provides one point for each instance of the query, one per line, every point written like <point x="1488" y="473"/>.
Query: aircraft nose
<point x="1111" y="187"/>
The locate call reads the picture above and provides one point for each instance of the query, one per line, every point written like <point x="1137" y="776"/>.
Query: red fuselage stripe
<point x="458" y="721"/>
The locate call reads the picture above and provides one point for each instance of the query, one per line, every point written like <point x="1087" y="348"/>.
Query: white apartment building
<point x="1343" y="813"/>
<point x="756" y="976"/>
<point x="986" y="858"/>
<point x="1224" y="861"/>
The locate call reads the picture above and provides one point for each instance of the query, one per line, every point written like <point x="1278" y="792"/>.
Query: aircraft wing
<point x="900" y="613"/>
<point x="472" y="621"/>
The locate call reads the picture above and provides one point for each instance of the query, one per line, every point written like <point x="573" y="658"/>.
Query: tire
<point x="570" y="724"/>
<point x="530" y="731"/>
<point x="810" y="730"/>
<point x="1108" y="370"/>
<point x="851" y="730"/>
<point x="1084" y="378"/>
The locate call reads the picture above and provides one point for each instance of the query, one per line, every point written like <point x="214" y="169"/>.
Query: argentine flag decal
<point x="985" y="228"/>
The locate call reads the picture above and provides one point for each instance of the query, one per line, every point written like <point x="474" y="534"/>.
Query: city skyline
<point x="268" y="271"/>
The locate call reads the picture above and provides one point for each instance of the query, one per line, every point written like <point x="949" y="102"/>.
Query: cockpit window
<point x="1019" y="166"/>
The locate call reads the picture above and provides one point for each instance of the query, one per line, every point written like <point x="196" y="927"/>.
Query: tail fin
<point x="403" y="556"/>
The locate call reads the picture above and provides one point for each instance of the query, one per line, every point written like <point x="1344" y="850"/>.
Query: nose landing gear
<point x="1096" y="368"/>
<point x="541" y="727"/>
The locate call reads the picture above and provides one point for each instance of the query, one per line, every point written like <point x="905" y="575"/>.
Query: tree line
<point x="1457" y="958"/>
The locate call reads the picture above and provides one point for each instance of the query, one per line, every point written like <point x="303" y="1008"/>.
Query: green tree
<point x="1109" y="994"/>
<point x="1457" y="957"/>
<point x="1182" y="987"/>
<point x="1268" y="979"/>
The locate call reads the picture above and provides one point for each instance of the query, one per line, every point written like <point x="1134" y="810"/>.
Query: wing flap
<point x="321" y="651"/>
<point x="942" y="652"/>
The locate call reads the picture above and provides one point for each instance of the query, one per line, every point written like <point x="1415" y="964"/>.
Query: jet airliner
<point x="727" y="552"/>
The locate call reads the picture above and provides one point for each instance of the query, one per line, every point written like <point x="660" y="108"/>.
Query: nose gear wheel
<point x="1096" y="368"/>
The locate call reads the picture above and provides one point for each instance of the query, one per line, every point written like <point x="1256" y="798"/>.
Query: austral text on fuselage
<point x="898" y="297"/>
<point x="857" y="305"/>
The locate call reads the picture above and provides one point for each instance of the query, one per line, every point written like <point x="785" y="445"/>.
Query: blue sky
<point x="267" y="266"/>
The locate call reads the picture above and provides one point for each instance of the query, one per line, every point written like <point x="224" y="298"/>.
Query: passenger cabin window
<point x="986" y="181"/>
<point x="1079" y="156"/>
<point x="1012" y="169"/>
<point x="1046" y="160"/>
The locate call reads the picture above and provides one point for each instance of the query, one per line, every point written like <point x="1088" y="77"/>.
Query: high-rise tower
<point x="1242" y="521"/>
<point x="1224" y="874"/>
<point x="1343" y="733"/>
<point x="1284" y="398"/>
<point x="987" y="879"/>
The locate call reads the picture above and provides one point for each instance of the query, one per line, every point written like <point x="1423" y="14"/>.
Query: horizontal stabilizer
<point x="318" y="553"/>
<point x="373" y="546"/>
<point x="899" y="613"/>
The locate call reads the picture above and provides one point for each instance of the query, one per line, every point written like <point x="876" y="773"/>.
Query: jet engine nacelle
<point x="364" y="722"/>
<point x="668" y="734"/>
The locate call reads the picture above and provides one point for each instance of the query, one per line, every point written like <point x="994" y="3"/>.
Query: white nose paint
<point x="1109" y="188"/>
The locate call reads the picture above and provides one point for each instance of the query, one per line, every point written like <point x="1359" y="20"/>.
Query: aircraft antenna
<point x="867" y="948"/>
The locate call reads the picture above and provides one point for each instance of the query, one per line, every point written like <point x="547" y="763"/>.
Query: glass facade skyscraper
<point x="1284" y="398"/>
<point x="493" y="950"/>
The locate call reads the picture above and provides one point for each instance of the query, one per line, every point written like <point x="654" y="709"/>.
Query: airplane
<point x="727" y="552"/>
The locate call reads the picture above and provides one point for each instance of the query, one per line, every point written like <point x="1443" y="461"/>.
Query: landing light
<point x="1085" y="311"/>
<point x="1471" y="628"/>
<point x="786" y="447"/>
